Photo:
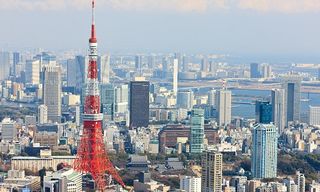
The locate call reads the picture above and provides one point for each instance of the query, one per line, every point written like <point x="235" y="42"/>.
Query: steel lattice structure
<point x="92" y="157"/>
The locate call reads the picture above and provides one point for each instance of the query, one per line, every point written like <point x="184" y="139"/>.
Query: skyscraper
<point x="263" y="112"/>
<point x="104" y="69"/>
<point x="76" y="72"/>
<point x="42" y="114"/>
<point x="151" y="61"/>
<point x="254" y="70"/>
<point x="291" y="85"/>
<point x="212" y="97"/>
<point x="138" y="64"/>
<point x="204" y="64"/>
<point x="266" y="70"/>
<point x="264" y="151"/>
<point x="175" y="76"/>
<point x="319" y="74"/>
<point x="52" y="92"/>
<point x="16" y="59"/>
<point x="107" y="99"/>
<point x="211" y="179"/>
<point x="139" y="104"/>
<point x="197" y="131"/>
<point x="279" y="117"/>
<point x="121" y="98"/>
<point x="33" y="72"/>
<point x="223" y="105"/>
<point x="185" y="99"/>
<point x="4" y="65"/>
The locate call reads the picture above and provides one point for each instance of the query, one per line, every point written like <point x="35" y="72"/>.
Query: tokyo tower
<point x="92" y="157"/>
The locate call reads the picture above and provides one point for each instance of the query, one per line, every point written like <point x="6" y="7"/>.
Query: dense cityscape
<point x="159" y="122"/>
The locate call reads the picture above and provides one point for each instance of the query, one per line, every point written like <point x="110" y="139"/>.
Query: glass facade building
<point x="264" y="151"/>
<point x="197" y="131"/>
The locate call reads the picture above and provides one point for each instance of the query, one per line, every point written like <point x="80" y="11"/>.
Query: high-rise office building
<point x="291" y="85"/>
<point x="104" y="69"/>
<point x="185" y="99"/>
<point x="139" y="104"/>
<point x="121" y="98"/>
<point x="185" y="63"/>
<point x="190" y="184"/>
<point x="211" y="179"/>
<point x="212" y="97"/>
<point x="264" y="151"/>
<point x="279" y="117"/>
<point x="204" y="64"/>
<point x="52" y="92"/>
<point x="319" y="74"/>
<point x="254" y="70"/>
<point x="175" y="76"/>
<point x="138" y="64"/>
<point x="4" y="65"/>
<point x="107" y="99"/>
<point x="165" y="66"/>
<point x="263" y="112"/>
<point x="197" y="131"/>
<point x="76" y="72"/>
<point x="33" y="72"/>
<point x="314" y="115"/>
<point x="42" y="114"/>
<point x="15" y="61"/>
<point x="223" y="105"/>
<point x="151" y="61"/>
<point x="266" y="70"/>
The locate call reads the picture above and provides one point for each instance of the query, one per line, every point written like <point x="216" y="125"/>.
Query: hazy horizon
<point x="283" y="28"/>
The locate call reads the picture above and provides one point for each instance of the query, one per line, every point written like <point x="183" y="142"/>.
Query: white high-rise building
<point x="314" y="115"/>
<point x="42" y="114"/>
<point x="190" y="184"/>
<point x="278" y="102"/>
<point x="175" y="76"/>
<point x="300" y="180"/>
<point x="104" y="67"/>
<point x="212" y="97"/>
<point x="33" y="72"/>
<point x="264" y="151"/>
<point x="121" y="99"/>
<point x="223" y="105"/>
<point x="4" y="65"/>
<point x="8" y="130"/>
<point x="52" y="92"/>
<point x="266" y="70"/>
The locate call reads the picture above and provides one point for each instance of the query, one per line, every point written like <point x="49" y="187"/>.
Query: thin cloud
<point x="282" y="6"/>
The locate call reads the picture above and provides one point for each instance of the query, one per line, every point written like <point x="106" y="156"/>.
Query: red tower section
<point x="92" y="157"/>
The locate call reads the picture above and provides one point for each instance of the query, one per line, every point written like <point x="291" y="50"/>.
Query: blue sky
<point x="249" y="27"/>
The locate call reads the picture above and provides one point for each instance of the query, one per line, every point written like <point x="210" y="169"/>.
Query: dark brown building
<point x="169" y="134"/>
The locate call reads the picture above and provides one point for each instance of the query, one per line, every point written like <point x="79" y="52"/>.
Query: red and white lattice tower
<point x="92" y="157"/>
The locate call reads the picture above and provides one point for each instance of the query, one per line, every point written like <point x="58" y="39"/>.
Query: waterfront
<point x="248" y="111"/>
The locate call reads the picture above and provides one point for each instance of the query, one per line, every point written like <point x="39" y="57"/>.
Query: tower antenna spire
<point x="92" y="157"/>
<point x="93" y="38"/>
